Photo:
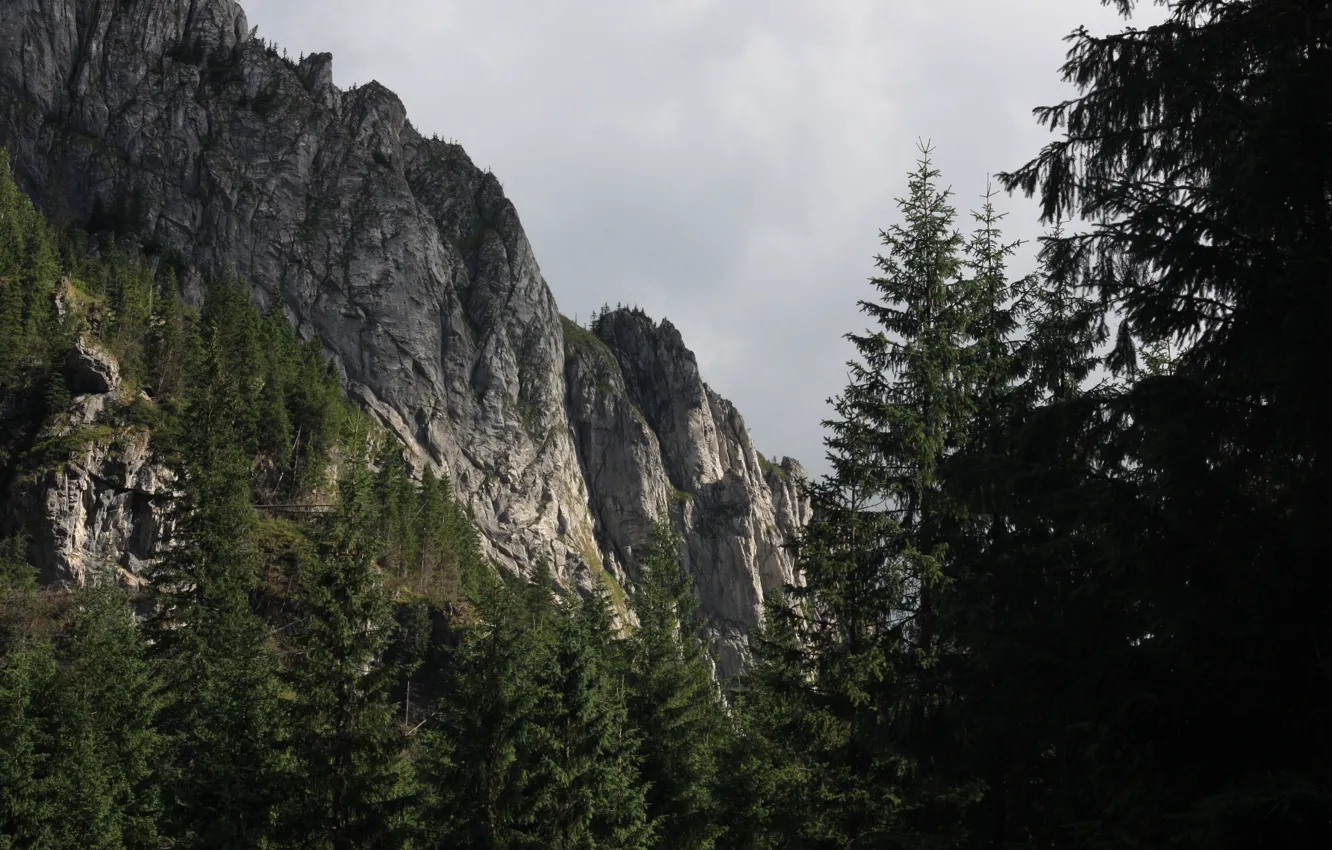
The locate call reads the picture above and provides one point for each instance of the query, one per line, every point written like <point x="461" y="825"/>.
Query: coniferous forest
<point x="1060" y="589"/>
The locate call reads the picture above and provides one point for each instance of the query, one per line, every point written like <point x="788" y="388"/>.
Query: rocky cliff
<point x="101" y="507"/>
<point x="172" y="122"/>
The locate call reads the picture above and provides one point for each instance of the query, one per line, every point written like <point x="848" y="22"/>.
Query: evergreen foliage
<point x="674" y="701"/>
<point x="1191" y="495"/>
<point x="789" y="773"/>
<point x="224" y="733"/>
<point x="223" y="719"/>
<point x="540" y="751"/>
<point x="351" y="773"/>
<point x="80" y="754"/>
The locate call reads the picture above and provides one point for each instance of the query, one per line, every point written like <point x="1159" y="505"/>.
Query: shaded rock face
<point x="168" y="120"/>
<point x="92" y="370"/>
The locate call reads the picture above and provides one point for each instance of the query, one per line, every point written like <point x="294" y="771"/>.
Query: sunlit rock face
<point x="169" y="118"/>
<point x="654" y="439"/>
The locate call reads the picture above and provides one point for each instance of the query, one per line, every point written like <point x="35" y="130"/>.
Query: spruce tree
<point x="108" y="747"/>
<point x="351" y="779"/>
<point x="29" y="272"/>
<point x="1188" y="500"/>
<point x="673" y="700"/>
<point x="400" y="513"/>
<point x="533" y="745"/>
<point x="993" y="312"/>
<point x="436" y="568"/>
<point x="28" y="670"/>
<point x="787" y="779"/>
<point x="1064" y="328"/>
<point x="875" y="556"/>
<point x="991" y="738"/>
<point x="29" y="811"/>
<point x="223" y="719"/>
<point x="475" y="762"/>
<point x="587" y="790"/>
<point x="167" y="343"/>
<point x="79" y="752"/>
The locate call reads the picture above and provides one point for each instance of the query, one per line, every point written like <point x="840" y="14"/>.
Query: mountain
<point x="170" y="121"/>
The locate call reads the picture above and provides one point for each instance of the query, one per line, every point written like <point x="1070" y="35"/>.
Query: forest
<point x="1060" y="588"/>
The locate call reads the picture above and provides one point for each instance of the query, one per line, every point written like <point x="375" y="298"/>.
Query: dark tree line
<point x="1062" y="584"/>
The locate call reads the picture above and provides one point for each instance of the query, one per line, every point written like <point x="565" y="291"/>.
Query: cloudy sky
<point x="727" y="164"/>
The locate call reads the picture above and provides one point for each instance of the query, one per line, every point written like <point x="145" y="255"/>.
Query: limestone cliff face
<point x="653" y="438"/>
<point x="100" y="504"/>
<point x="411" y="266"/>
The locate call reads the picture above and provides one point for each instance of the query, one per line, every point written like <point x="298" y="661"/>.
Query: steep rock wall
<point x="169" y="120"/>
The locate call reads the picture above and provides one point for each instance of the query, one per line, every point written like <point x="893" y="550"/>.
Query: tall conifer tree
<point x="223" y="718"/>
<point x="1187" y="500"/>
<point x="534" y="746"/>
<point x="80" y="755"/>
<point x="351" y="772"/>
<point x="673" y="699"/>
<point x="874" y="556"/>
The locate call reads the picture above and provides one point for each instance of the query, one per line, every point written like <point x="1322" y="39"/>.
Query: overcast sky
<point x="726" y="164"/>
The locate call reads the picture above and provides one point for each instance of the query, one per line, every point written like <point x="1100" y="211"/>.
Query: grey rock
<point x="85" y="409"/>
<point x="92" y="370"/>
<point x="103" y="510"/>
<point x="103" y="507"/>
<point x="412" y="268"/>
<point x="656" y="441"/>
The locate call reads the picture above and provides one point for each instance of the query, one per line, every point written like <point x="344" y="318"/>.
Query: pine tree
<point x="475" y="761"/>
<point x="533" y="745"/>
<point x="167" y="343"/>
<point x="79" y="751"/>
<point x="992" y="743"/>
<point x="399" y="508"/>
<point x="875" y="555"/>
<point x="1064" y="327"/>
<point x="29" y="812"/>
<point x="587" y="791"/>
<point x="223" y="720"/>
<point x="351" y="775"/>
<point x="789" y="780"/>
<point x="673" y="700"/>
<point x="28" y="671"/>
<point x="435" y="567"/>
<point x="29" y="271"/>
<point x="1187" y="502"/>
<point x="107" y="785"/>
<point x="317" y="413"/>
<point x="993" y="314"/>
<point x="130" y="291"/>
<point x="229" y="313"/>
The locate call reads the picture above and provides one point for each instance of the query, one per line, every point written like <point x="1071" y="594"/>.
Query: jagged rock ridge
<point x="169" y="118"/>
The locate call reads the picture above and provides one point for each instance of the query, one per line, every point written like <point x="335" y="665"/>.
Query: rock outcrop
<point x="92" y="370"/>
<point x="96" y="499"/>
<point x="102" y="510"/>
<point x="169" y="119"/>
<point x="653" y="437"/>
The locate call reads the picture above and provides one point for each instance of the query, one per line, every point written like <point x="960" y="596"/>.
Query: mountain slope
<point x="169" y="121"/>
